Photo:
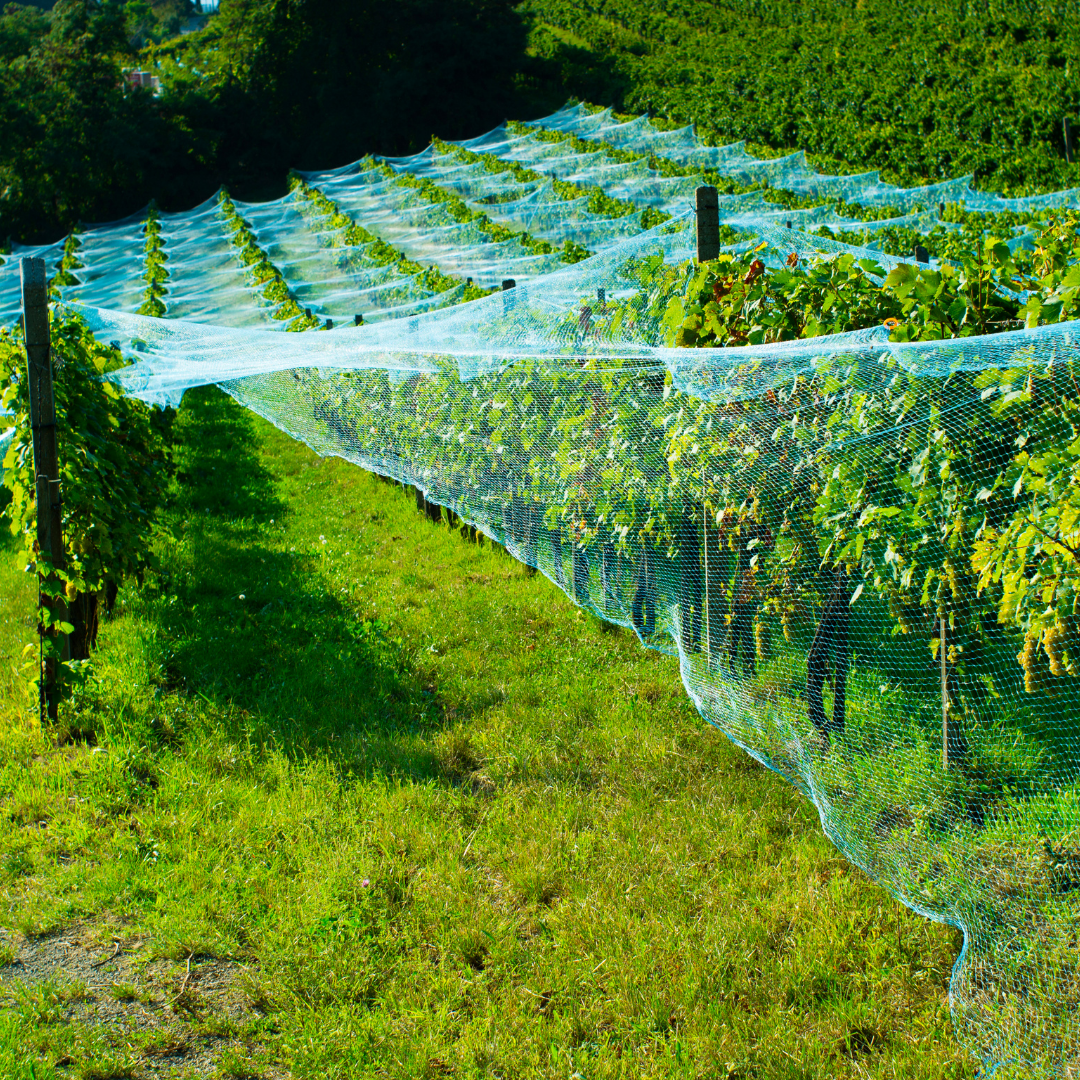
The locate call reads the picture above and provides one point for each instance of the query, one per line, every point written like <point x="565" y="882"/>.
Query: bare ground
<point x="169" y="1018"/>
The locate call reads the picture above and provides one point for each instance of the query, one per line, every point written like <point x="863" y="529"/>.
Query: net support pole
<point x="50" y="540"/>
<point x="944" y="693"/>
<point x="1067" y="132"/>
<point x="705" y="548"/>
<point x="707" y="206"/>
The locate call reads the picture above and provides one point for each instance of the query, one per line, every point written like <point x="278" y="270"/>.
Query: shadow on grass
<point x="254" y="632"/>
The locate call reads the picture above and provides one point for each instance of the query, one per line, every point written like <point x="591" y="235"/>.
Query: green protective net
<point x="863" y="551"/>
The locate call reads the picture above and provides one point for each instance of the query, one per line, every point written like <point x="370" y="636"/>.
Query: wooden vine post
<point x="705" y="537"/>
<point x="707" y="208"/>
<point x="944" y="692"/>
<point x="50" y="539"/>
<point x="707" y="205"/>
<point x="1067" y="133"/>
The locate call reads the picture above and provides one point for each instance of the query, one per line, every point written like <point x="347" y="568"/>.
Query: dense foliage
<point x="114" y="468"/>
<point x="76" y="142"/>
<point x="69" y="263"/>
<point x="744" y="302"/>
<point x="936" y="90"/>
<point x="272" y="84"/>
<point x="940" y="494"/>
<point x="155" y="274"/>
<point x="265" y="86"/>
<point x="904" y="482"/>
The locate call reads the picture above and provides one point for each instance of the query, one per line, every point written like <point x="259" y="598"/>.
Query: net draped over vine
<point x="837" y="536"/>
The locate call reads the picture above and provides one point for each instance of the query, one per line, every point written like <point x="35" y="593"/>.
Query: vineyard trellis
<point x="841" y="487"/>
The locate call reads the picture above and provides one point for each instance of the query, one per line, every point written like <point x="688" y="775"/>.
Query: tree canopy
<point x="267" y="85"/>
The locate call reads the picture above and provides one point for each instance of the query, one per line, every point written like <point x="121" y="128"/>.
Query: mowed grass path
<point x="434" y="820"/>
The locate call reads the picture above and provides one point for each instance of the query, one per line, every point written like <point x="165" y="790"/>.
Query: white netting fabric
<point x="10" y="282"/>
<point x="710" y="499"/>
<point x="790" y="172"/>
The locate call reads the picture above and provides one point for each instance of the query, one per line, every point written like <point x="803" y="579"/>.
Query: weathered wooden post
<point x="643" y="607"/>
<point x="707" y="620"/>
<point x="508" y="294"/>
<point x="50" y="540"/>
<point x="707" y="204"/>
<point x="1067" y="132"/>
<point x="944" y="693"/>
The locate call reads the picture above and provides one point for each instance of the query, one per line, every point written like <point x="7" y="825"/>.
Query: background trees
<point x="941" y="90"/>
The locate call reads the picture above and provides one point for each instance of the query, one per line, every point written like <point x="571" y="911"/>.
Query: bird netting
<point x="862" y="550"/>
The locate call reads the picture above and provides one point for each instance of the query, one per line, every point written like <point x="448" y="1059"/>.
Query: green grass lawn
<point x="353" y="797"/>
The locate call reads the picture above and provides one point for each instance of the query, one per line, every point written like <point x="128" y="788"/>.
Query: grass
<point x="446" y="823"/>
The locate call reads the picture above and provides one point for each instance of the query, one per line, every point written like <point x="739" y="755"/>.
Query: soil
<point x="185" y="1015"/>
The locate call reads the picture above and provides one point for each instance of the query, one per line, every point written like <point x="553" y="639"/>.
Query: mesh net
<point x="792" y="171"/>
<point x="837" y="536"/>
<point x="10" y="287"/>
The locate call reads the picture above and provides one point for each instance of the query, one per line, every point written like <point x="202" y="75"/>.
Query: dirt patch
<point x="165" y="1017"/>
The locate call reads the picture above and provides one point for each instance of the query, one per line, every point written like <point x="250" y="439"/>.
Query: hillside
<point x="936" y="90"/>
<point x="319" y="787"/>
<point x="269" y="85"/>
